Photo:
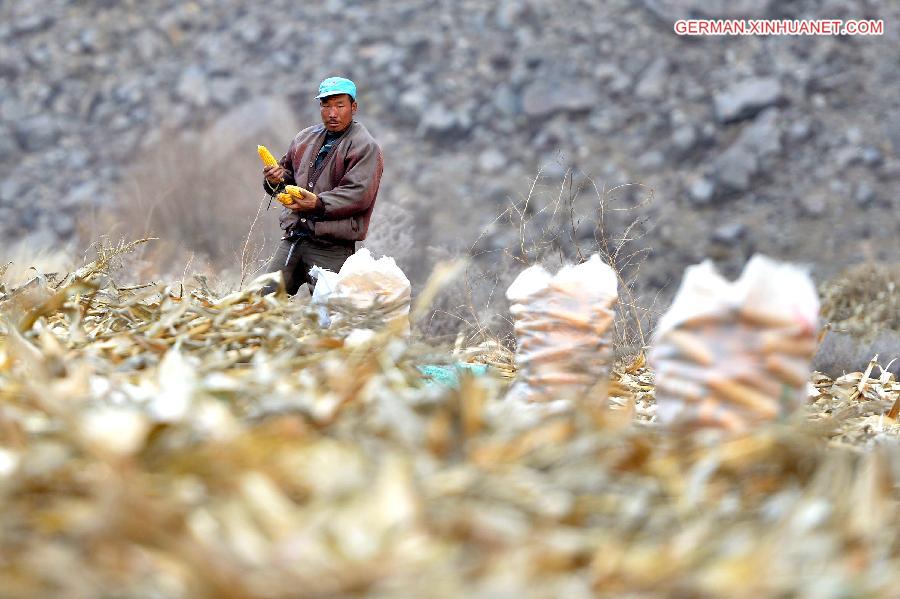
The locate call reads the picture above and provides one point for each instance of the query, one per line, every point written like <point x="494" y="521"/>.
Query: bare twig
<point x="244" y="260"/>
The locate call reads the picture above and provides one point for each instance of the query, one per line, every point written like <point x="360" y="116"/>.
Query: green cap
<point x="336" y="85"/>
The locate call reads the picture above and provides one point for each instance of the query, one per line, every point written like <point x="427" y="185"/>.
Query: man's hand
<point x="307" y="203"/>
<point x="274" y="174"/>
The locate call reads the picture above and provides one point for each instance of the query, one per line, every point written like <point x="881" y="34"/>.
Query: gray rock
<point x="506" y="101"/>
<point x="652" y="84"/>
<point x="555" y="133"/>
<point x="334" y="7"/>
<point x="509" y="12"/>
<point x="737" y="166"/>
<point x="11" y="190"/>
<point x="607" y="119"/>
<point x="251" y="30"/>
<point x="82" y="195"/>
<point x="491" y="161"/>
<point x="438" y="122"/>
<point x="864" y="194"/>
<point x="148" y="43"/>
<point x="414" y="101"/>
<point x="747" y="98"/>
<point x="652" y="160"/>
<point x="871" y="156"/>
<point x="193" y="86"/>
<point x="763" y="136"/>
<point x="814" y="205"/>
<point x="223" y="91"/>
<point x="33" y="23"/>
<point x="553" y="167"/>
<point x="498" y="195"/>
<point x="37" y="133"/>
<point x="701" y="190"/>
<point x="839" y="187"/>
<point x="381" y="56"/>
<point x="8" y="69"/>
<point x="670" y="11"/>
<point x="847" y="155"/>
<point x="612" y="77"/>
<point x="8" y="146"/>
<point x="842" y="352"/>
<point x="729" y="233"/>
<point x="28" y="219"/>
<point x="800" y="130"/>
<point x="684" y="139"/>
<point x="63" y="224"/>
<point x="77" y="158"/>
<point x="42" y="55"/>
<point x="854" y="136"/>
<point x="890" y="170"/>
<point x="546" y="97"/>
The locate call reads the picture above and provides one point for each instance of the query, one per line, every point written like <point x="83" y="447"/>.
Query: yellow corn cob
<point x="266" y="156"/>
<point x="294" y="191"/>
<point x="285" y="198"/>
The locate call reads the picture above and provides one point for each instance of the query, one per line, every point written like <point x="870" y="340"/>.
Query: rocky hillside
<point x="785" y="145"/>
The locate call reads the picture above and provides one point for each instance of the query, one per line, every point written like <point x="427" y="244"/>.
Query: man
<point x="338" y="167"/>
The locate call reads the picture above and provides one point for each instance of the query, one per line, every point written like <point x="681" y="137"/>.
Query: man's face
<point x="337" y="112"/>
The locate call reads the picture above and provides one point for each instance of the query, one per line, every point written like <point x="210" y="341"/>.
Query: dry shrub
<point x="863" y="300"/>
<point x="862" y="308"/>
<point x="201" y="194"/>
<point x="22" y="261"/>
<point x="553" y="224"/>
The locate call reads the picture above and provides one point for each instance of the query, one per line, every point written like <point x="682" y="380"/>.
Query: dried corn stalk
<point x="165" y="441"/>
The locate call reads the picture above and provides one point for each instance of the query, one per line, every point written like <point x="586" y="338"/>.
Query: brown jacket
<point x="346" y="182"/>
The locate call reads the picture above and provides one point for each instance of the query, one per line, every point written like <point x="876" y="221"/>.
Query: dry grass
<point x="861" y="307"/>
<point x="20" y="261"/>
<point x="863" y="300"/>
<point x="211" y="224"/>
<point x="553" y="224"/>
<point x="201" y="194"/>
<point x="168" y="442"/>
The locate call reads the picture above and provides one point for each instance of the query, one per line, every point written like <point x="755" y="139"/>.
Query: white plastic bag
<point x="325" y="283"/>
<point x="563" y="326"/>
<point x="733" y="354"/>
<point x="374" y="290"/>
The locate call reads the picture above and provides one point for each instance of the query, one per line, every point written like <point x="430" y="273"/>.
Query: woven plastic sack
<point x="735" y="354"/>
<point x="373" y="292"/>
<point x="563" y="326"/>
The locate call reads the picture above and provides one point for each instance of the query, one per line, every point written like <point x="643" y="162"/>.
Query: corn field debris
<point x="162" y="441"/>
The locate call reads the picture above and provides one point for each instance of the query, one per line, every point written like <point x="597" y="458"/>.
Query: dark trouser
<point x="295" y="257"/>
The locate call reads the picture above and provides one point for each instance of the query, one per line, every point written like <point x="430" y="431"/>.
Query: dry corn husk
<point x="293" y="464"/>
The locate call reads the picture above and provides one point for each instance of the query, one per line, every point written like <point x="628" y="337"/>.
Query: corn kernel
<point x="294" y="191"/>
<point x="266" y="156"/>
